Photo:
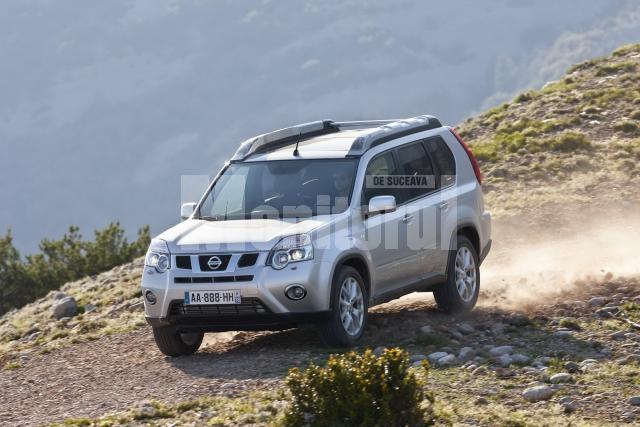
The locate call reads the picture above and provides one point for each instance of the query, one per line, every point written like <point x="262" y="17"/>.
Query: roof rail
<point x="363" y="124"/>
<point x="392" y="130"/>
<point x="283" y="137"/>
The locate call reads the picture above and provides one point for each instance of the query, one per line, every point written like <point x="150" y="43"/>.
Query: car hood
<point x="194" y="235"/>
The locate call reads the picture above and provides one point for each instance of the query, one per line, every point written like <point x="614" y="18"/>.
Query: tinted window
<point x="380" y="167"/>
<point x="413" y="161"/>
<point x="443" y="158"/>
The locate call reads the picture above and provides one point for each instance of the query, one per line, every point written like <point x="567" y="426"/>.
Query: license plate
<point x="212" y="297"/>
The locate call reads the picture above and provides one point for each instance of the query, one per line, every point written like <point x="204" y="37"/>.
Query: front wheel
<point x="459" y="293"/>
<point x="174" y="343"/>
<point x="349" y="306"/>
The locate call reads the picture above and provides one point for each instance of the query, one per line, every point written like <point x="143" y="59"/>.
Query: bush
<point x="569" y="141"/>
<point x="626" y="126"/>
<point x="358" y="390"/>
<point x="59" y="261"/>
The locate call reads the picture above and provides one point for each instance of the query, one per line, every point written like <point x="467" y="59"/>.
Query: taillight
<point x="472" y="158"/>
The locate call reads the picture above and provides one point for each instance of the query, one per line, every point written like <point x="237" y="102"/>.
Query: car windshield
<point x="280" y="189"/>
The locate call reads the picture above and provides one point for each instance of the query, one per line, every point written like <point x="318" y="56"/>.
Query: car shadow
<point x="265" y="355"/>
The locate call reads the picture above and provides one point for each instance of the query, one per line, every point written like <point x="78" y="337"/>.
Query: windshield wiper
<point x="209" y="218"/>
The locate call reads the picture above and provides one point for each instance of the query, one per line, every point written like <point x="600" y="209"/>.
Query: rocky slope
<point x="544" y="347"/>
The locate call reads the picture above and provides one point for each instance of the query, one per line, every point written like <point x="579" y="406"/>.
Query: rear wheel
<point x="348" y="317"/>
<point x="174" y="343"/>
<point x="459" y="293"/>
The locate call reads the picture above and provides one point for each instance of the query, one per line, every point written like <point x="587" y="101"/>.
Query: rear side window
<point x="444" y="160"/>
<point x="414" y="161"/>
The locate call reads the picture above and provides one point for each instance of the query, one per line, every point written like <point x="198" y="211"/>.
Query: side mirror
<point x="187" y="209"/>
<point x="382" y="204"/>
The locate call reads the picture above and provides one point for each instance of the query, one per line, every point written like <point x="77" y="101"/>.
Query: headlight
<point x="158" y="256"/>
<point x="291" y="249"/>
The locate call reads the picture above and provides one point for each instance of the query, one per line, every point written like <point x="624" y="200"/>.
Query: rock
<point x="504" y="360"/>
<point x="449" y="359"/>
<point x="499" y="351"/>
<point x="417" y="357"/>
<point x="635" y="401"/>
<point x="417" y="364"/>
<point x="466" y="353"/>
<point x="66" y="307"/>
<point x="426" y="329"/>
<point x="497" y="328"/>
<point x="562" y="334"/>
<point x="629" y="416"/>
<point x="434" y="357"/>
<point x="597" y="301"/>
<point x="466" y="328"/>
<point x="571" y="367"/>
<point x="620" y="335"/>
<point x="569" y="406"/>
<point x="562" y="377"/>
<point x="479" y="371"/>
<point x="59" y="295"/>
<point x="538" y="393"/>
<point x="481" y="401"/>
<point x="607" y="311"/>
<point x="628" y="360"/>
<point x="90" y="308"/>
<point x="520" y="359"/>
<point x="504" y="373"/>
<point x="588" y="362"/>
<point x="457" y="335"/>
<point x="378" y="351"/>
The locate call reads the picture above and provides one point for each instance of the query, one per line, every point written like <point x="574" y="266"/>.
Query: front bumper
<point x="259" y="284"/>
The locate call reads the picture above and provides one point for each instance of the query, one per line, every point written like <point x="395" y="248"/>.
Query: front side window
<point x="375" y="182"/>
<point x="280" y="189"/>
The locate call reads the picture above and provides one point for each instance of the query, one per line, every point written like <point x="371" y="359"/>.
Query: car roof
<point x="329" y="139"/>
<point x="331" y="146"/>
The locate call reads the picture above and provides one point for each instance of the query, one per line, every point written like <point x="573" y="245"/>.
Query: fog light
<point x="150" y="297"/>
<point x="295" y="292"/>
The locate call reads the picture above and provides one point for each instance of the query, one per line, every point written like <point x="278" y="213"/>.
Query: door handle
<point x="444" y="206"/>
<point x="407" y="219"/>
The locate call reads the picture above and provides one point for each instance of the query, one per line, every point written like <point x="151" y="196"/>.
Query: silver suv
<point x="316" y="223"/>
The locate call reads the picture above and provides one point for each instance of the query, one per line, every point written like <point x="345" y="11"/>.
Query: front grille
<point x="248" y="306"/>
<point x="183" y="262"/>
<point x="204" y="262"/>
<point x="247" y="260"/>
<point x="215" y="279"/>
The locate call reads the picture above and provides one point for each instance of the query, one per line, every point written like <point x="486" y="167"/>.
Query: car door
<point x="446" y="199"/>
<point x="382" y="231"/>
<point x="421" y="211"/>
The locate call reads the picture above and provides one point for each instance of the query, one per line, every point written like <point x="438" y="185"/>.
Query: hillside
<point x="575" y="141"/>
<point x="561" y="295"/>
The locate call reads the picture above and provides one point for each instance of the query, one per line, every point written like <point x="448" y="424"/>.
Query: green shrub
<point x="568" y="141"/>
<point x="626" y="126"/>
<point x="23" y="280"/>
<point x="635" y="115"/>
<point x="358" y="390"/>
<point x="525" y="96"/>
<point x="621" y="51"/>
<point x="615" y="68"/>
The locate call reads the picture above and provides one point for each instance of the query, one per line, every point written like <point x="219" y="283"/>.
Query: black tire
<point x="446" y="295"/>
<point x="332" y="330"/>
<point x="174" y="343"/>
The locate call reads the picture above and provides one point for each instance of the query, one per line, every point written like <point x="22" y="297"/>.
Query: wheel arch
<point x="360" y="264"/>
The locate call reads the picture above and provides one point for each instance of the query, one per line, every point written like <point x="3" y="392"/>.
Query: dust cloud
<point x="576" y="249"/>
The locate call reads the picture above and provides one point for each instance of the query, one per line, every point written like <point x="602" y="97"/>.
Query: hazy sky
<point x="105" y="104"/>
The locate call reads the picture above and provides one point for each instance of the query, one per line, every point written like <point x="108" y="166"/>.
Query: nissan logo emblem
<point x="214" y="262"/>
